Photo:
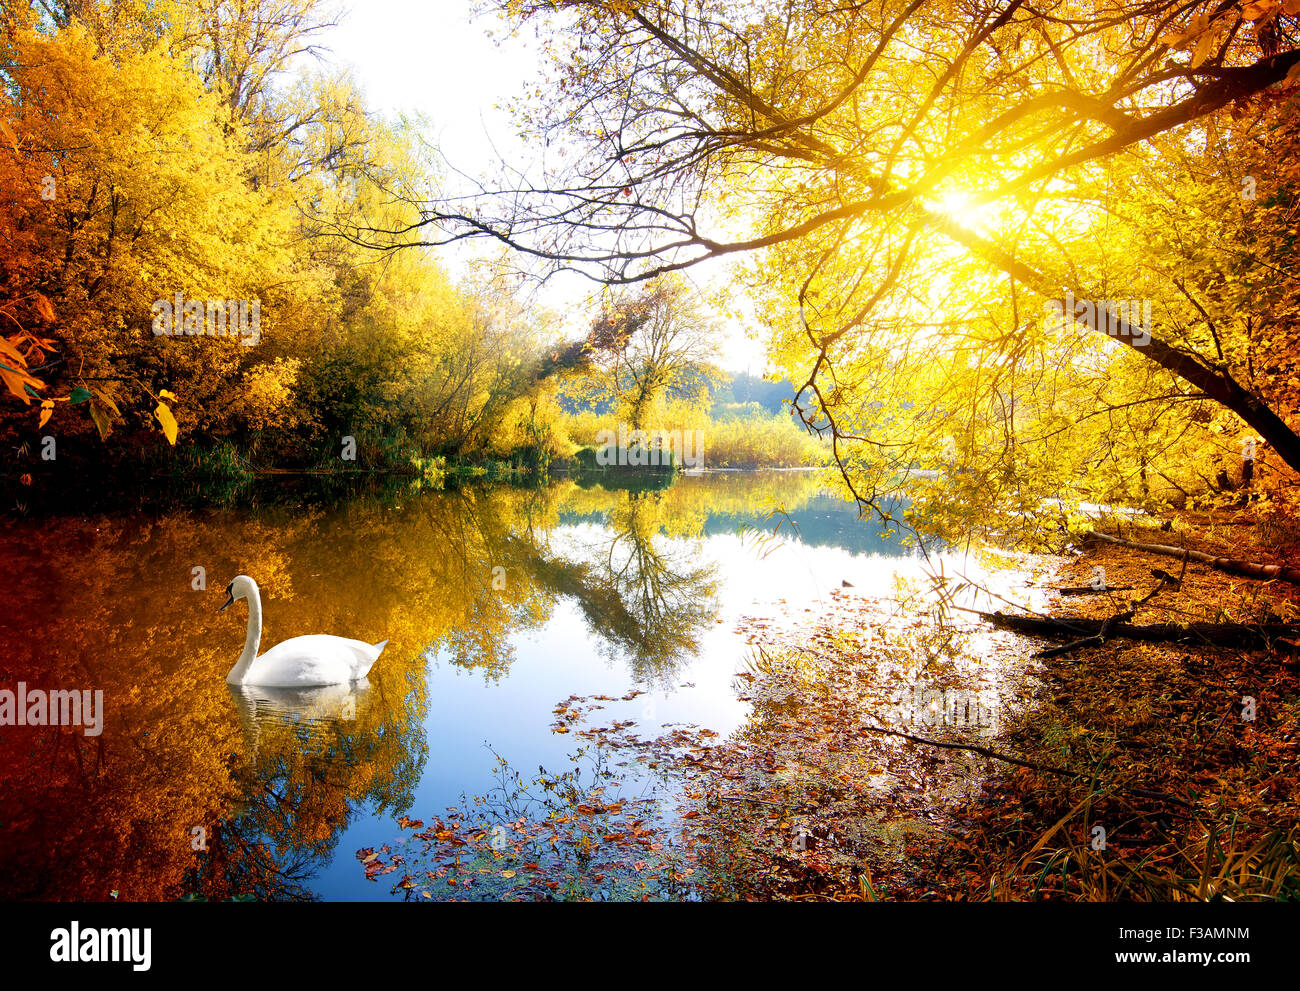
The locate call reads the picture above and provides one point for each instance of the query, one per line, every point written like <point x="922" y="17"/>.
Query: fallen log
<point x="1269" y="635"/>
<point x="1247" y="569"/>
<point x="1106" y="626"/>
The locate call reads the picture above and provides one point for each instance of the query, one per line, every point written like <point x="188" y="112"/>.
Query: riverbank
<point x="1126" y="771"/>
<point x="80" y="479"/>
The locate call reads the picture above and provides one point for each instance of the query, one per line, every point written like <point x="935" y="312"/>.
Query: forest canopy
<point x="915" y="191"/>
<point x="159" y="157"/>
<point x="1016" y="255"/>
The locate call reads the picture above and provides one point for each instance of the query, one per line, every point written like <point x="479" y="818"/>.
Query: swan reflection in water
<point x="308" y="759"/>
<point x="311" y="716"/>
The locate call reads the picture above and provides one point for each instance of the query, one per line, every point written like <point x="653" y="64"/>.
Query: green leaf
<point x="79" y="395"/>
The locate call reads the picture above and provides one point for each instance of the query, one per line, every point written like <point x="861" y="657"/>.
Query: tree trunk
<point x="1250" y="569"/>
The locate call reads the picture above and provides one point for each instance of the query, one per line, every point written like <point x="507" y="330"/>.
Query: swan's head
<point x="240" y="588"/>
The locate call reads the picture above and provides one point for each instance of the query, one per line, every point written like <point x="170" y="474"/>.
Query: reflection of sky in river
<point x="565" y="657"/>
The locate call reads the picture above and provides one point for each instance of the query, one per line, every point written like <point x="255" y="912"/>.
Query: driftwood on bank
<point x="1248" y="569"/>
<point x="1094" y="641"/>
<point x="1108" y="624"/>
<point x="1094" y="630"/>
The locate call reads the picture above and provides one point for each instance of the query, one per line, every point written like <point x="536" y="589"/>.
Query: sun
<point x="960" y="205"/>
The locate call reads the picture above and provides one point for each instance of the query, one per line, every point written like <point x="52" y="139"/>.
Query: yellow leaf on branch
<point x="13" y="370"/>
<point x="168" y="422"/>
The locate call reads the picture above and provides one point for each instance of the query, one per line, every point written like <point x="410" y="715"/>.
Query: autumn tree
<point x="868" y="152"/>
<point x="121" y="226"/>
<point x="643" y="344"/>
<point x="194" y="147"/>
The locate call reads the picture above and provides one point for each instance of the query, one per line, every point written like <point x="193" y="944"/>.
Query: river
<point x="497" y="603"/>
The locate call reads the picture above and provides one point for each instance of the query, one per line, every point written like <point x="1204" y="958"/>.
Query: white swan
<point x="316" y="659"/>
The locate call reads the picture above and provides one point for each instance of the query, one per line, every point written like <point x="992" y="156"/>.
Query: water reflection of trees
<point x="668" y="595"/>
<point x="640" y="584"/>
<point x="106" y="603"/>
<point x="115" y="815"/>
<point x="645" y="604"/>
<point x="642" y="595"/>
<point x="311" y="757"/>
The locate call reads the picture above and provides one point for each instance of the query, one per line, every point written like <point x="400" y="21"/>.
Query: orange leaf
<point x="102" y="423"/>
<point x="15" y="379"/>
<point x="45" y="308"/>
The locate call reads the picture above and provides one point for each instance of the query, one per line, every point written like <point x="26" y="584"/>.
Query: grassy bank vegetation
<point x="752" y="439"/>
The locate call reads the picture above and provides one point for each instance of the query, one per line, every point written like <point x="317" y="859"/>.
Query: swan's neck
<point x="252" y="639"/>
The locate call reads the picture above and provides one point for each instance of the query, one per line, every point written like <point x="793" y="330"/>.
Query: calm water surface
<point x="497" y="603"/>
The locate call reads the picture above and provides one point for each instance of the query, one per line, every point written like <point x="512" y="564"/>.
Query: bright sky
<point x="428" y="58"/>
